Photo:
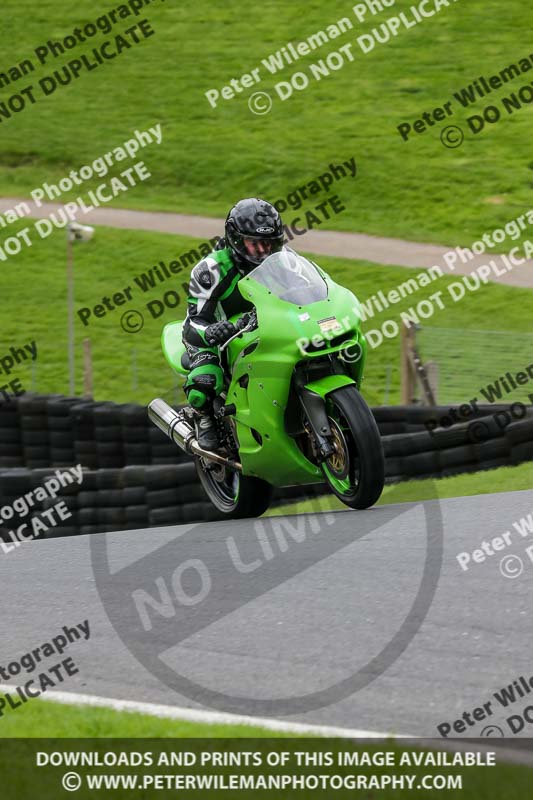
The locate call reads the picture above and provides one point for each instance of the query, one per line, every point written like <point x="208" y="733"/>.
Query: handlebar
<point x="245" y="324"/>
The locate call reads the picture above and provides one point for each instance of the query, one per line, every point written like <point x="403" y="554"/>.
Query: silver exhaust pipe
<point x="181" y="432"/>
<point x="171" y="423"/>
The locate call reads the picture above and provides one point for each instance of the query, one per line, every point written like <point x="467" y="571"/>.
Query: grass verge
<point x="48" y="722"/>
<point x="131" y="367"/>
<point x="417" y="190"/>
<point x="505" y="479"/>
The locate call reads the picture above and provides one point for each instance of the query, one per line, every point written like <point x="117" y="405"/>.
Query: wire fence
<point x="492" y="366"/>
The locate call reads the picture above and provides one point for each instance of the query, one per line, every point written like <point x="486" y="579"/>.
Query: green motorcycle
<point x="291" y="412"/>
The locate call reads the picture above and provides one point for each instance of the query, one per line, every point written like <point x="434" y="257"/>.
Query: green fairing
<point x="270" y="366"/>
<point x="173" y="347"/>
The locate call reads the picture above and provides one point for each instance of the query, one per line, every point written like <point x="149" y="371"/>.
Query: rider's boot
<point x="206" y="431"/>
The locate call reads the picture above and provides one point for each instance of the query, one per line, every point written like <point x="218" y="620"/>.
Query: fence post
<point x="407" y="377"/>
<point x="87" y="369"/>
<point x="134" y="371"/>
<point x="387" y="384"/>
<point x="432" y="370"/>
<point x="413" y="370"/>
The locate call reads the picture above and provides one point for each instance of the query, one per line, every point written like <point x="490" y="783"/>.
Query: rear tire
<point x="234" y="495"/>
<point x="356" y="472"/>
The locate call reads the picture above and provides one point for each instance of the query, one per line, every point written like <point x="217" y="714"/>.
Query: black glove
<point x="220" y="332"/>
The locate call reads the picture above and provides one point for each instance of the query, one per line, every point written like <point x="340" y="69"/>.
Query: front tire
<point x="235" y="496"/>
<point x="356" y="471"/>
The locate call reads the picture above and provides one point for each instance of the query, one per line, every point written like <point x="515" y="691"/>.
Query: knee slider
<point x="196" y="399"/>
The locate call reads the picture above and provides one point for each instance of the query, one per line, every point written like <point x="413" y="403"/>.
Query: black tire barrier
<point x="493" y="463"/>
<point x="443" y="438"/>
<point x="37" y="423"/>
<point x="188" y="493"/>
<point x="519" y="432"/>
<point x="134" y="476"/>
<point x="172" y="515"/>
<point x="88" y="499"/>
<point x="405" y="444"/>
<point x="109" y="450"/>
<point x="92" y="426"/>
<point x="110" y="498"/>
<point x="15" y="482"/>
<point x="136" y="514"/>
<point x="94" y="434"/>
<point x="137" y="453"/>
<point x="115" y="499"/>
<point x="156" y="436"/>
<point x="89" y="530"/>
<point x="133" y="416"/>
<point x="494" y="448"/>
<point x="134" y="496"/>
<point x="38" y="453"/>
<point x="114" y="516"/>
<point x="162" y="487"/>
<point x="165" y="449"/>
<point x="135" y="434"/>
<point x="456" y="456"/>
<point x="60" y="425"/>
<point x="108" y="462"/>
<point x="106" y="414"/>
<point x="60" y="440"/>
<point x="164" y="477"/>
<point x="56" y="533"/>
<point x="108" y="433"/>
<point x="10" y="436"/>
<point x="135" y="499"/>
<point x="160" y="498"/>
<point x="12" y="450"/>
<point x="194" y="512"/>
<point x="87" y="516"/>
<point x="417" y="417"/>
<point x="391" y="428"/>
<point x="522" y="452"/>
<point x="61" y="458"/>
<point x="160" y="461"/>
<point x="390" y="413"/>
<point x="11" y="462"/>
<point x="394" y="468"/>
<point x="35" y="439"/>
<point x="421" y="464"/>
<point x="68" y="500"/>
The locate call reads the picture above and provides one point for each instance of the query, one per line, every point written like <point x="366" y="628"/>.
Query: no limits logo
<point x="234" y="583"/>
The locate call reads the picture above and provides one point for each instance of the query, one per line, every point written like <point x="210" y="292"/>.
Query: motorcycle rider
<point x="253" y="231"/>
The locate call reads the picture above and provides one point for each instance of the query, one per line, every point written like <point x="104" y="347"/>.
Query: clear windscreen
<point x="291" y="277"/>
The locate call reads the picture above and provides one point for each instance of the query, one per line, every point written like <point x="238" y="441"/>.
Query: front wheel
<point x="234" y="495"/>
<point x="356" y="470"/>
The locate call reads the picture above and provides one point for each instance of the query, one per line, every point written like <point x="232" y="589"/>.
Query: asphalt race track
<point x="343" y="619"/>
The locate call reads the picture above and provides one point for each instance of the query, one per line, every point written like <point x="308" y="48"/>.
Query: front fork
<point x="315" y="411"/>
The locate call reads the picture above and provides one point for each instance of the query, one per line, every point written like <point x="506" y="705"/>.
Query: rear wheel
<point x="233" y="494"/>
<point x="356" y="470"/>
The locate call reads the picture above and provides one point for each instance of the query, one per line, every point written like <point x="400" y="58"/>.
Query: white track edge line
<point x="279" y="726"/>
<point x="200" y="715"/>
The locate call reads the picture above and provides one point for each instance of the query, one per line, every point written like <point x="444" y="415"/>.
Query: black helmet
<point x="254" y="230"/>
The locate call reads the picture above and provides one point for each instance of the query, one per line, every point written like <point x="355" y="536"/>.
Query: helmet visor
<point x="257" y="249"/>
